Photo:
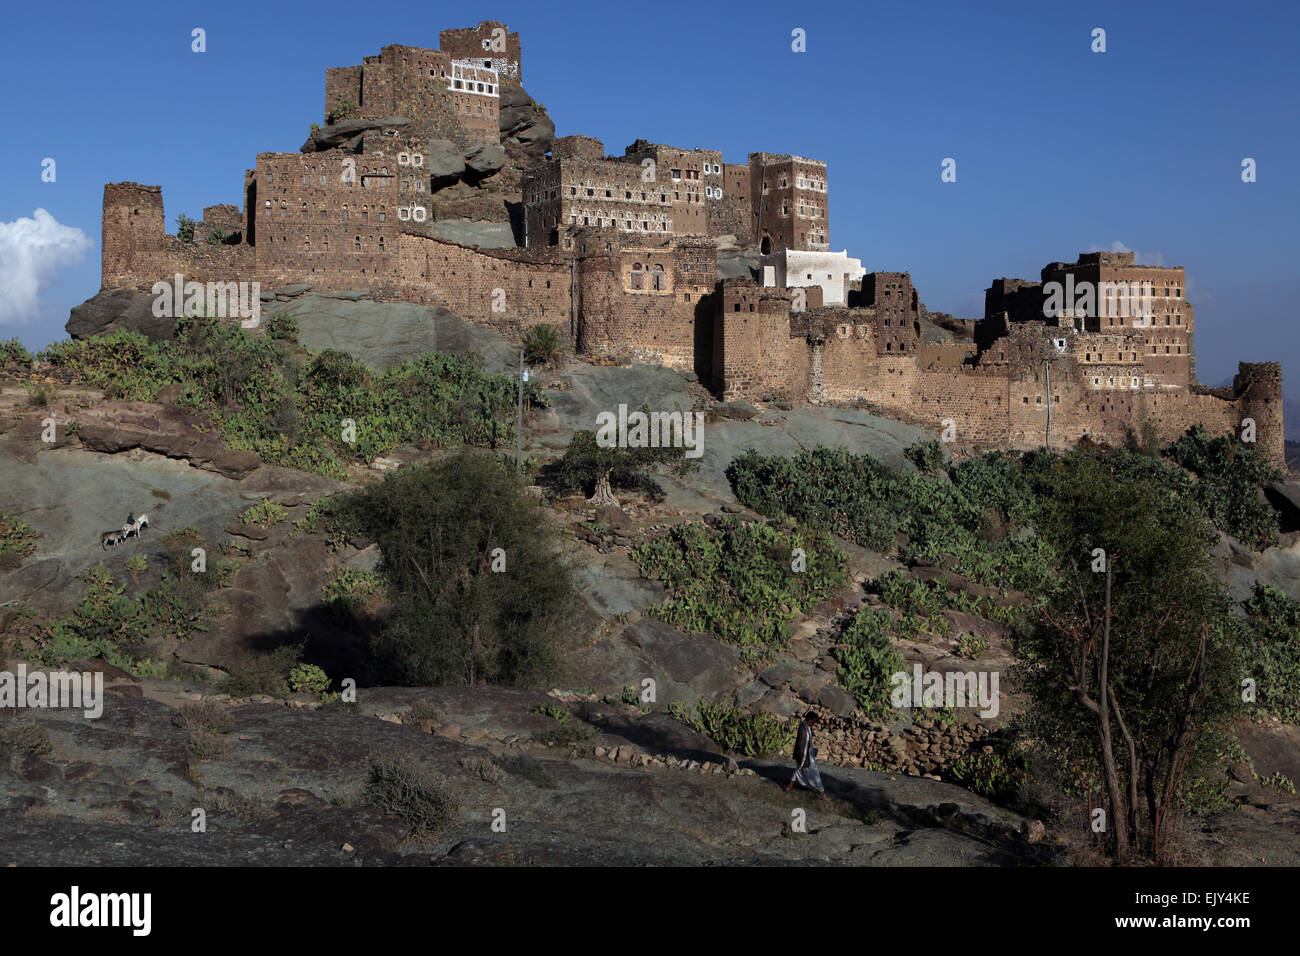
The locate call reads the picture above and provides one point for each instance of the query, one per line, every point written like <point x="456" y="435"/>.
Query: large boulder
<point x="443" y="160"/>
<point x="119" y="309"/>
<point x="336" y="134"/>
<point x="523" y="120"/>
<point x="482" y="161"/>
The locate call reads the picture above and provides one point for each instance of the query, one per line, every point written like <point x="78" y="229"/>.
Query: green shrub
<point x="264" y="514"/>
<point x="1279" y="781"/>
<point x="868" y="661"/>
<point x="345" y="593"/>
<point x="12" y="350"/>
<point x="410" y="793"/>
<point x="17" y="536"/>
<point x="184" y="228"/>
<point x="554" y="711"/>
<point x="586" y="464"/>
<point x="282" y="326"/>
<point x="541" y="346"/>
<point x="739" y="732"/>
<point x="263" y="397"/>
<point x="262" y="673"/>
<point x="736" y="579"/>
<point x="995" y="776"/>
<point x="927" y="456"/>
<point x="1272" y="653"/>
<point x="308" y="678"/>
<point x="1230" y="476"/>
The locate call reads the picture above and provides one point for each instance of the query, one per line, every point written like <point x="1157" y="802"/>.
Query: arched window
<point x="660" y="280"/>
<point x="638" y="277"/>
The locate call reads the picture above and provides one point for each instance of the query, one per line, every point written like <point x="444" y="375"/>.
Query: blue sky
<point x="1058" y="149"/>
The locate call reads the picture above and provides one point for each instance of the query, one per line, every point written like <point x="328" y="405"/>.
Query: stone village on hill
<point x="622" y="253"/>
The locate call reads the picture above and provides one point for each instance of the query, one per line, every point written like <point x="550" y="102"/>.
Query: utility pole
<point x="1047" y="370"/>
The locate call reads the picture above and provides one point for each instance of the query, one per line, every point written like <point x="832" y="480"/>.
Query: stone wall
<point x="481" y="44"/>
<point x="501" y="289"/>
<point x="652" y="303"/>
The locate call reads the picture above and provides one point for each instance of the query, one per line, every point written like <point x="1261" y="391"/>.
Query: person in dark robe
<point x="806" y="773"/>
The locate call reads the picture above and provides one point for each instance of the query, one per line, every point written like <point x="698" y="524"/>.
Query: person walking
<point x="806" y="773"/>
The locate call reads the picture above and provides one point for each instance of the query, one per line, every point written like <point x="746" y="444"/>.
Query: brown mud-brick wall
<point x="443" y="96"/>
<point x="330" y="218"/>
<point x="653" y="303"/>
<point x="562" y="195"/>
<point x="693" y="179"/>
<point x="533" y="290"/>
<point x="477" y="44"/>
<point x="578" y="147"/>
<point x="791" y="202"/>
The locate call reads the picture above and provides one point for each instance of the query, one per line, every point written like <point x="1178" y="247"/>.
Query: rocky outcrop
<point x="122" y="788"/>
<point x="337" y="134"/>
<point x="445" y="163"/>
<point x="113" y="309"/>
<point x="482" y="161"/>
<point x="524" y="121"/>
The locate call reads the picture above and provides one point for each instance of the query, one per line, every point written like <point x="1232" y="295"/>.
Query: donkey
<point x="134" y="525"/>
<point x="111" y="537"/>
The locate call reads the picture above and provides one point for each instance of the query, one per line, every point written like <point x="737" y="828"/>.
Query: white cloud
<point x="1140" y="258"/>
<point x="31" y="252"/>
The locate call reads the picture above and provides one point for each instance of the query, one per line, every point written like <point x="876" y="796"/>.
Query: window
<point x="638" y="277"/>
<point x="660" y="280"/>
<point x="356" y="243"/>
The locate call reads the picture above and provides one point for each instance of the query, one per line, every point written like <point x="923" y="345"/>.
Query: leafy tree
<point x="465" y="612"/>
<point x="1132" y="671"/>
<point x="588" y="465"/>
<point x="184" y="228"/>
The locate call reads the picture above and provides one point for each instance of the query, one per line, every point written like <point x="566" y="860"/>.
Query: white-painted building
<point x="833" y="271"/>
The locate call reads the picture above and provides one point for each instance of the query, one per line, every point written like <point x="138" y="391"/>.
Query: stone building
<point x="790" y="200"/>
<point x="442" y="96"/>
<point x="832" y="272"/>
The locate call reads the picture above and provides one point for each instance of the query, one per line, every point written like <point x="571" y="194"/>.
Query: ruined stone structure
<point x="621" y="253"/>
